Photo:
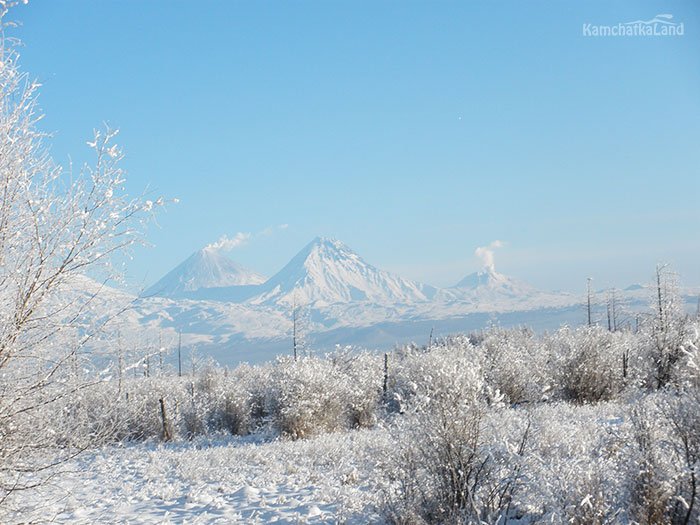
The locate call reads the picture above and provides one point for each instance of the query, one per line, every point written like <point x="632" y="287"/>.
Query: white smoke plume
<point x="226" y="243"/>
<point x="485" y="253"/>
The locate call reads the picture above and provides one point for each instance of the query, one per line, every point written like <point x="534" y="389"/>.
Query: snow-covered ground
<point x="575" y="443"/>
<point x="326" y="479"/>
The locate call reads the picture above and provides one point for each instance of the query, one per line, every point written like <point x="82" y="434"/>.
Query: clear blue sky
<point x="412" y="131"/>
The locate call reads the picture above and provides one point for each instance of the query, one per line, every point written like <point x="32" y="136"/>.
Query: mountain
<point x="326" y="271"/>
<point x="490" y="279"/>
<point x="204" y="271"/>
<point x="349" y="303"/>
<point x="234" y="332"/>
<point x="489" y="284"/>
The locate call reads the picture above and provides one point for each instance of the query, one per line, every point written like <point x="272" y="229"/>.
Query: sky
<point x="414" y="132"/>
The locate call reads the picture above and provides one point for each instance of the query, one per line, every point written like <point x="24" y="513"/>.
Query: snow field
<point x="231" y="480"/>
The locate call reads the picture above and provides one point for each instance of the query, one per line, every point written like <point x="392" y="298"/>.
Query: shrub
<point x="419" y="376"/>
<point x="308" y="396"/>
<point x="592" y="370"/>
<point x="514" y="365"/>
<point x="364" y="372"/>
<point x="445" y="469"/>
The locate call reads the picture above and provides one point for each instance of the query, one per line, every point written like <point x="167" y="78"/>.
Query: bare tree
<point x="668" y="326"/>
<point x="56" y="230"/>
<point x="588" y="301"/>
<point x="295" y="312"/>
<point x="300" y="325"/>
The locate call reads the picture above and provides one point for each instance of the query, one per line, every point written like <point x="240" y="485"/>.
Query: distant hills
<point x="234" y="314"/>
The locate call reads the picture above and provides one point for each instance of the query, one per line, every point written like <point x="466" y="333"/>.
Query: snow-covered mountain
<point x="204" y="270"/>
<point x="489" y="290"/>
<point x="491" y="283"/>
<point x="349" y="302"/>
<point x="326" y="271"/>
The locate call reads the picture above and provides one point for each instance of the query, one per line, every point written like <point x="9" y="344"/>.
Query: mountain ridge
<point x="349" y="302"/>
<point x="325" y="271"/>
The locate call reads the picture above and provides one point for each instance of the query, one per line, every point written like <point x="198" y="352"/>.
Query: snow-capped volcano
<point x="204" y="269"/>
<point x="326" y="271"/>
<point x="488" y="283"/>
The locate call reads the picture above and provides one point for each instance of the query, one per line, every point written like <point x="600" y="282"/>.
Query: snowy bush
<point x="589" y="368"/>
<point x="365" y="375"/>
<point x="308" y="396"/>
<point x="665" y="458"/>
<point x="233" y="412"/>
<point x="446" y="469"/>
<point x="585" y="365"/>
<point x="575" y="464"/>
<point x="451" y="466"/>
<point x="419" y="377"/>
<point x="667" y="329"/>
<point x="689" y="373"/>
<point x="648" y="476"/>
<point x="515" y="365"/>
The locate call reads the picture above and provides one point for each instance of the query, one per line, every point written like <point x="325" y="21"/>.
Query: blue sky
<point x="412" y="131"/>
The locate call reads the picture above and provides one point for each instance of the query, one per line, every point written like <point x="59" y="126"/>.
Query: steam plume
<point x="485" y="253"/>
<point x="226" y="243"/>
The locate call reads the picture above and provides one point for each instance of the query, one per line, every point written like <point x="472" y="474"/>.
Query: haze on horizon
<point x="413" y="133"/>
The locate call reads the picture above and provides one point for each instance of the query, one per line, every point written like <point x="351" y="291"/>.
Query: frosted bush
<point x="648" y="475"/>
<point x="99" y="407"/>
<point x="585" y="365"/>
<point x="418" y="377"/>
<point x="687" y="373"/>
<point x="309" y="396"/>
<point x="515" y="365"/>
<point x="575" y="462"/>
<point x="589" y="367"/>
<point x="447" y="468"/>
<point x="454" y="463"/>
<point x="234" y="409"/>
<point x="664" y="458"/>
<point x="666" y="331"/>
<point x="365" y="377"/>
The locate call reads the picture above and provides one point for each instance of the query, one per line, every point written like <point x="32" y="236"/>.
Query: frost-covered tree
<point x="300" y="323"/>
<point x="668" y="327"/>
<point x="57" y="229"/>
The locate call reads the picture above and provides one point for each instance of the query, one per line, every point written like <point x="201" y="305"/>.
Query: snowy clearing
<point x="230" y="480"/>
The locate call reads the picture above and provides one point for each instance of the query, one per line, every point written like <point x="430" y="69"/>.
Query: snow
<point x="229" y="480"/>
<point x="326" y="272"/>
<point x="344" y="300"/>
<point x="204" y="269"/>
<point x="490" y="282"/>
<point x="551" y="417"/>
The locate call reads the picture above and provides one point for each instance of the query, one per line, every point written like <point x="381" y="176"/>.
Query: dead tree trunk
<point x="386" y="375"/>
<point x="164" y="419"/>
